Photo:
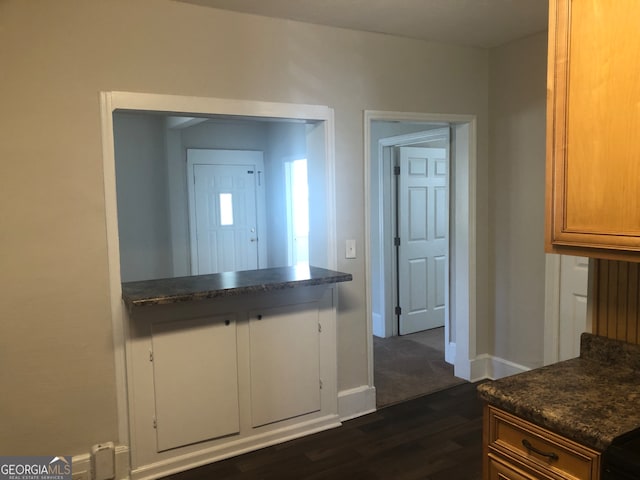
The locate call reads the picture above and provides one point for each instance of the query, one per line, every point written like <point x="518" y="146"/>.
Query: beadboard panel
<point x="616" y="300"/>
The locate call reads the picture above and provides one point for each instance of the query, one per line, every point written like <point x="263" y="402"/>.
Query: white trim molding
<point x="489" y="367"/>
<point x="356" y="402"/>
<point x="81" y="464"/>
<point x="198" y="458"/>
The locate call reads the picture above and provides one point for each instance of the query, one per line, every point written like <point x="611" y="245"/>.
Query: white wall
<point x="287" y="141"/>
<point x="517" y="149"/>
<point x="143" y="202"/>
<point x="56" y="57"/>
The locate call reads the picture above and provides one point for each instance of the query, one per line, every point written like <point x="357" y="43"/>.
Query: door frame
<point x="460" y="345"/>
<point x="112" y="101"/>
<point x="259" y="195"/>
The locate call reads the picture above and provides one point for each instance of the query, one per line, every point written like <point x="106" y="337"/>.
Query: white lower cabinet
<point x="211" y="379"/>
<point x="195" y="380"/>
<point x="285" y="363"/>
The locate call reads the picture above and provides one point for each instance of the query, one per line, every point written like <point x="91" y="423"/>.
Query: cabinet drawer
<point x="539" y="448"/>
<point x="501" y="470"/>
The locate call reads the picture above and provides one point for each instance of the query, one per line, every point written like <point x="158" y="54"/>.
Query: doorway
<point x="409" y="354"/>
<point x="459" y="329"/>
<point x="297" y="194"/>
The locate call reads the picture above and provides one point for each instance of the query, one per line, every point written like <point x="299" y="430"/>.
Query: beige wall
<point x="517" y="97"/>
<point x="56" y="351"/>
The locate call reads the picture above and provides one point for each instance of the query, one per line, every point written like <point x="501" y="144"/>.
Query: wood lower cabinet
<point x="593" y="163"/>
<point x="515" y="449"/>
<point x="211" y="379"/>
<point x="500" y="469"/>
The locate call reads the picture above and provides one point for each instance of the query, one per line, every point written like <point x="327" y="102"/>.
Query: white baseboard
<point x="82" y="463"/>
<point x="197" y="458"/>
<point x="489" y="367"/>
<point x="356" y="402"/>
<point x="450" y="352"/>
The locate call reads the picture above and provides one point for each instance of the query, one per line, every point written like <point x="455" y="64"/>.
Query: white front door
<point x="223" y="210"/>
<point x="574" y="280"/>
<point x="423" y="227"/>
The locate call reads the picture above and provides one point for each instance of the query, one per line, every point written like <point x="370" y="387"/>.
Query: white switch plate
<point x="350" y="250"/>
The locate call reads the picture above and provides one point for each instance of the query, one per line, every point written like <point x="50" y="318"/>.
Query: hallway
<point x="410" y="366"/>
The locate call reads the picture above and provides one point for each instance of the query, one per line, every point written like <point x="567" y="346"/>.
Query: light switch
<point x="350" y="250"/>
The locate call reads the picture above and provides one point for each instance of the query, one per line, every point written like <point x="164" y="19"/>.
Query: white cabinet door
<point x="195" y="377"/>
<point x="285" y="362"/>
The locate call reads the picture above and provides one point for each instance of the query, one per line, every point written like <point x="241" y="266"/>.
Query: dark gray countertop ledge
<point x="202" y="287"/>
<point x="591" y="399"/>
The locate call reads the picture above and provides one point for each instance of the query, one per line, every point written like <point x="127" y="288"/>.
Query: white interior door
<point x="224" y="187"/>
<point x="574" y="280"/>
<point x="423" y="226"/>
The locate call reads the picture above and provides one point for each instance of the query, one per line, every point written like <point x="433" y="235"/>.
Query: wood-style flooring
<point x="435" y="437"/>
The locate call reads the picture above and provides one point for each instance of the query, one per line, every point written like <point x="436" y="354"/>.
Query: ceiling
<point x="477" y="23"/>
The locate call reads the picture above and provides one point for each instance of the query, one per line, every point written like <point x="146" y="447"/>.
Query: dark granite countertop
<point x="201" y="287"/>
<point x="591" y="399"/>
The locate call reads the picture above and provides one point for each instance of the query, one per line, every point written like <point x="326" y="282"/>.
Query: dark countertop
<point x="201" y="287"/>
<point x="591" y="399"/>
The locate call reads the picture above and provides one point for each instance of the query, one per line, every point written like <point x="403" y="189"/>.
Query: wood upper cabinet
<point x="593" y="129"/>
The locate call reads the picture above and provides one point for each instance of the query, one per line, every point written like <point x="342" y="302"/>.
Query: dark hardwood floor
<point x="435" y="437"/>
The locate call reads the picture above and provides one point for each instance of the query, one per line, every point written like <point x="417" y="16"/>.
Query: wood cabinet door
<point x="593" y="124"/>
